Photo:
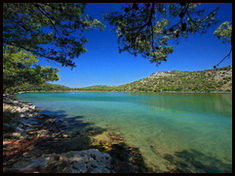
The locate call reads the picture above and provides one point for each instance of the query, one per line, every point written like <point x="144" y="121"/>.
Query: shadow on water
<point x="70" y="123"/>
<point x="196" y="162"/>
<point x="79" y="133"/>
<point x="126" y="159"/>
<point x="64" y="134"/>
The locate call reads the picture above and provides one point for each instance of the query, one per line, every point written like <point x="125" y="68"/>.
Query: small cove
<point x="187" y="130"/>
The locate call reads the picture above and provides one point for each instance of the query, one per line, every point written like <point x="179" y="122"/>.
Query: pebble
<point x="22" y="115"/>
<point x="31" y="132"/>
<point x="65" y="135"/>
<point x="5" y="142"/>
<point x="16" y="134"/>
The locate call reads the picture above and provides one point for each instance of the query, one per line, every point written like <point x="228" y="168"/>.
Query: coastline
<point x="22" y="92"/>
<point x="37" y="143"/>
<point x="43" y="144"/>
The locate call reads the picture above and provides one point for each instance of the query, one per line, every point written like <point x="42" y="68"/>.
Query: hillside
<point x="98" y="88"/>
<point x="219" y="80"/>
<point x="40" y="87"/>
<point x="213" y="80"/>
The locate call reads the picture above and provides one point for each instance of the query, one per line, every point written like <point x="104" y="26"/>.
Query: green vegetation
<point x="224" y="32"/>
<point x="36" y="87"/>
<point x="213" y="80"/>
<point x="55" y="31"/>
<point x="19" y="67"/>
<point x="50" y="30"/>
<point x="98" y="88"/>
<point x="218" y="80"/>
<point x="148" y="28"/>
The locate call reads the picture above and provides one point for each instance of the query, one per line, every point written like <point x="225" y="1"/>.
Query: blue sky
<point x="103" y="64"/>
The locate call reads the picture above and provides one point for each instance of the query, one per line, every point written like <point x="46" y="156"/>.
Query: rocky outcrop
<point x="85" y="161"/>
<point x="212" y="80"/>
<point x="160" y="74"/>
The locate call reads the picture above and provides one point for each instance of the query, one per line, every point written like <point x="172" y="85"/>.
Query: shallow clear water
<point x="189" y="130"/>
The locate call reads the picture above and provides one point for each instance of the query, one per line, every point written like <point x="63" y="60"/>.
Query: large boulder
<point x="85" y="161"/>
<point x="89" y="161"/>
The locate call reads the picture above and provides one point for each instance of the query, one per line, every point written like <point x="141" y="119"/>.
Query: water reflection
<point x="219" y="104"/>
<point x="211" y="103"/>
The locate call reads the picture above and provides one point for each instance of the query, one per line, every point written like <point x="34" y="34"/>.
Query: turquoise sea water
<point x="192" y="131"/>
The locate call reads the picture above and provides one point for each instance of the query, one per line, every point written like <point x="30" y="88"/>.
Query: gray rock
<point x="80" y="167"/>
<point x="29" y="122"/>
<point x="8" y="125"/>
<point x="16" y="134"/>
<point x="32" y="107"/>
<point x="15" y="102"/>
<point x="20" y="129"/>
<point x="86" y="161"/>
<point x="90" y="161"/>
<point x="100" y="170"/>
<point x="22" y="115"/>
<point x="27" y="164"/>
<point x="30" y="115"/>
<point x="42" y="133"/>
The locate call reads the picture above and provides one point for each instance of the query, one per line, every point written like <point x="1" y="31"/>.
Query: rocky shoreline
<point x="37" y="143"/>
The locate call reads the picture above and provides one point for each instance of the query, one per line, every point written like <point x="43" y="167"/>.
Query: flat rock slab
<point x="85" y="161"/>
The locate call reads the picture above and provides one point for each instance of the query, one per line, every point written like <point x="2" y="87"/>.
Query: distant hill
<point x="213" y="80"/>
<point x="40" y="87"/>
<point x="98" y="88"/>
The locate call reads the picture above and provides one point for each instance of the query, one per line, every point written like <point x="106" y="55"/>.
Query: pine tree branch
<point x="51" y="21"/>
<point x="227" y="56"/>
